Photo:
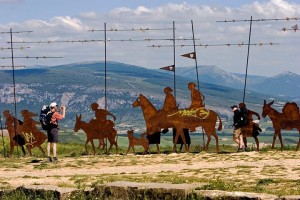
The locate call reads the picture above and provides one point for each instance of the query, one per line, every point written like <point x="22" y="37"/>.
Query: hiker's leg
<point x="48" y="149"/>
<point x="54" y="149"/>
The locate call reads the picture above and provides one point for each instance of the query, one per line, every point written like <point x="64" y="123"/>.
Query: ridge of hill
<point x="78" y="85"/>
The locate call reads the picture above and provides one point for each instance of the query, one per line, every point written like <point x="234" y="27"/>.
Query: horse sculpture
<point x="183" y="118"/>
<point x="154" y="138"/>
<point x="91" y="134"/>
<point x="287" y="120"/>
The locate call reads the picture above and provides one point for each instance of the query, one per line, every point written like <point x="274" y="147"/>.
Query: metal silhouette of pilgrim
<point x="190" y="118"/>
<point x="98" y="128"/>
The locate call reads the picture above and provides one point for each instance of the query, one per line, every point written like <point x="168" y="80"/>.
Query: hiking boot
<point x="241" y="149"/>
<point x="49" y="159"/>
<point x="55" y="159"/>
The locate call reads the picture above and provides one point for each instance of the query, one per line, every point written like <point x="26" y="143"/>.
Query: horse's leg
<point x="111" y="143"/>
<point x="257" y="143"/>
<point x="175" y="142"/>
<point x="280" y="139"/>
<point x="217" y="141"/>
<point x="274" y="138"/>
<point x="93" y="146"/>
<point x="158" y="148"/>
<point x="207" y="142"/>
<point x="85" y="146"/>
<point x="183" y="140"/>
<point x="116" y="144"/>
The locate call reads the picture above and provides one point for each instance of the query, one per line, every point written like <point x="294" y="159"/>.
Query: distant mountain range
<point x="286" y="84"/>
<point x="78" y="85"/>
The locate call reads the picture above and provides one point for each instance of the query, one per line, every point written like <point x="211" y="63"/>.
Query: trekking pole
<point x="2" y="136"/>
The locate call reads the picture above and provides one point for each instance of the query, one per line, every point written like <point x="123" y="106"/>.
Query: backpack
<point x="244" y="121"/>
<point x="45" y="117"/>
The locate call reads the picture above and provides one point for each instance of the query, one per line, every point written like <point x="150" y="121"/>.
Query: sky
<point x="72" y="20"/>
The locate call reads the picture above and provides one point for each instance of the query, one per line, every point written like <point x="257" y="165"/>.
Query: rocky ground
<point x="273" y="172"/>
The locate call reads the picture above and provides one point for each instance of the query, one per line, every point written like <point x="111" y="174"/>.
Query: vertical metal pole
<point x="14" y="86"/>
<point x="174" y="79"/>
<point x="198" y="83"/>
<point x="105" y="61"/>
<point x="105" y="66"/>
<point x="247" y="60"/>
<point x="196" y="55"/>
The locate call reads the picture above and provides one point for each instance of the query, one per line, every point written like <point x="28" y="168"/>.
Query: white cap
<point x="53" y="104"/>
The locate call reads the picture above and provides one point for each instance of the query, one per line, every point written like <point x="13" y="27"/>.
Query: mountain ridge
<point x="78" y="85"/>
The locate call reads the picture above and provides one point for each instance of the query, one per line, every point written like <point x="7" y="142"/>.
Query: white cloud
<point x="205" y="26"/>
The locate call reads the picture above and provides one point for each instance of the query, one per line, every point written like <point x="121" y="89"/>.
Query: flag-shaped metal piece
<point x="169" y="68"/>
<point x="190" y="55"/>
<point x="295" y="28"/>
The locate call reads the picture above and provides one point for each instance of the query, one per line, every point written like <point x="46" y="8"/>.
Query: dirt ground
<point x="86" y="171"/>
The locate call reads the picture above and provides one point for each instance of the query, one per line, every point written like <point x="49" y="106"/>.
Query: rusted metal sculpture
<point x="137" y="142"/>
<point x="93" y="131"/>
<point x="26" y="131"/>
<point x="252" y="129"/>
<point x="33" y="136"/>
<point x="153" y="138"/>
<point x="288" y="119"/>
<point x="180" y="119"/>
<point x="12" y="129"/>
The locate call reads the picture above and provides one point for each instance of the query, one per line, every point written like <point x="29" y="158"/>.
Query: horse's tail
<point x="220" y="124"/>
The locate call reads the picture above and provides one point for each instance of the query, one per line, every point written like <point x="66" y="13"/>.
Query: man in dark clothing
<point x="237" y="124"/>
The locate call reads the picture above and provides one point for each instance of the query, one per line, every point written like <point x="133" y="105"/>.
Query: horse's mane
<point x="148" y="102"/>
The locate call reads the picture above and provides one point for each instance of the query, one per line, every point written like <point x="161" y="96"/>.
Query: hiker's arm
<point x="63" y="108"/>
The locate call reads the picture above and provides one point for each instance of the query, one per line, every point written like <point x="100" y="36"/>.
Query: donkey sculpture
<point x="181" y="119"/>
<point x="287" y="120"/>
<point x="92" y="134"/>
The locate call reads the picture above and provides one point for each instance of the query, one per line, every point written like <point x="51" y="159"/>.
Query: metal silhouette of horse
<point x="287" y="120"/>
<point x="154" y="138"/>
<point x="92" y="133"/>
<point x="183" y="118"/>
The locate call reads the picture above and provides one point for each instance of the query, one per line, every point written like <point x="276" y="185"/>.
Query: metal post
<point x="198" y="83"/>
<point x="14" y="88"/>
<point x="174" y="60"/>
<point x="247" y="60"/>
<point x="105" y="61"/>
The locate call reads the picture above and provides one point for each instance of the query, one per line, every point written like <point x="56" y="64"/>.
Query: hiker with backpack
<point x="52" y="128"/>
<point x="238" y="123"/>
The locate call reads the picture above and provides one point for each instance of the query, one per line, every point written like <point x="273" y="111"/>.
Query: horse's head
<point x="137" y="102"/>
<point x="77" y="123"/>
<point x="267" y="108"/>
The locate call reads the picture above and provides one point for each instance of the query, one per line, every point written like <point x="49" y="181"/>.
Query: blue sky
<point x="52" y="20"/>
<point x="21" y="10"/>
